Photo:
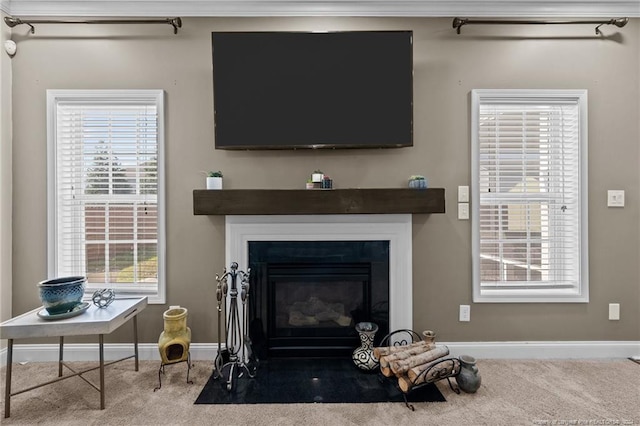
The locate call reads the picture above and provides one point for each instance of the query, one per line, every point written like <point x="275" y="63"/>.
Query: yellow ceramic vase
<point x="174" y="341"/>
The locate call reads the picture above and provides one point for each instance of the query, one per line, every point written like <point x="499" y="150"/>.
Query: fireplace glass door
<point x="317" y="305"/>
<point x="308" y="298"/>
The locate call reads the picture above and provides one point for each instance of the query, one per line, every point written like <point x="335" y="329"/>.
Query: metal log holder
<point x="237" y="358"/>
<point x="445" y="368"/>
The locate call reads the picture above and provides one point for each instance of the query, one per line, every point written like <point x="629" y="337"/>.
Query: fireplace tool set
<point x="237" y="358"/>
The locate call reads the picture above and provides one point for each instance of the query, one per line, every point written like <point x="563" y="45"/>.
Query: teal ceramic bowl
<point x="61" y="295"/>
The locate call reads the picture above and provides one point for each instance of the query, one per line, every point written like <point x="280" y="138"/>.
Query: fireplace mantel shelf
<point x="317" y="201"/>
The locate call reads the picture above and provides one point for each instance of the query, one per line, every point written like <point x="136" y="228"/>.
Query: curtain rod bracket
<point x="12" y="22"/>
<point x="175" y="23"/>
<point x="459" y="22"/>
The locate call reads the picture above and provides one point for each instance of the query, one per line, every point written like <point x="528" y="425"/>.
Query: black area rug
<point x="305" y="380"/>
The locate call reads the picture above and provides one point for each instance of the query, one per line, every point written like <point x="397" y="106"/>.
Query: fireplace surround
<point x="393" y="229"/>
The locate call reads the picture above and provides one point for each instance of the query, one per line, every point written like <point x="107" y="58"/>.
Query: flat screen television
<point x="289" y="90"/>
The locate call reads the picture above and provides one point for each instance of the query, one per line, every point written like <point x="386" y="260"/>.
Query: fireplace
<point x="313" y="277"/>
<point x="307" y="296"/>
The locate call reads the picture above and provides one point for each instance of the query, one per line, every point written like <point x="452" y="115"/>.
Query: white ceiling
<point x="412" y="8"/>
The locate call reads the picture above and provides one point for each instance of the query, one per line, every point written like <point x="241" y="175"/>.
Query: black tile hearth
<point x="309" y="380"/>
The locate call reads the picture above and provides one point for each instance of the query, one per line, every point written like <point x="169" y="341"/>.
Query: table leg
<point x="60" y="357"/>
<point x="135" y="339"/>
<point x="7" y="388"/>
<point x="101" y="339"/>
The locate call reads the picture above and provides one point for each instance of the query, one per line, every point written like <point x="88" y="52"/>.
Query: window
<point x="106" y="204"/>
<point x="529" y="195"/>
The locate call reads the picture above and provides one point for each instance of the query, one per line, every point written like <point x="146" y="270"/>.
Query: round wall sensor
<point x="10" y="47"/>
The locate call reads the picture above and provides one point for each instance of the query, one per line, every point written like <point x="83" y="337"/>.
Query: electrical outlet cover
<point x="615" y="198"/>
<point x="465" y="313"/>
<point x="614" y="311"/>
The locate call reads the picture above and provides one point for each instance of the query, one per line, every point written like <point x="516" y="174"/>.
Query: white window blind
<point x="106" y="154"/>
<point x="529" y="221"/>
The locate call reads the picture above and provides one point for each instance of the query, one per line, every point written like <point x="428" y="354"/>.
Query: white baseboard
<point x="89" y="352"/>
<point x="207" y="351"/>
<point x="546" y="350"/>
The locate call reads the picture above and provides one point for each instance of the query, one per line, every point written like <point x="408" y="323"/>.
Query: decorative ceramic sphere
<point x="103" y="298"/>
<point x="61" y="295"/>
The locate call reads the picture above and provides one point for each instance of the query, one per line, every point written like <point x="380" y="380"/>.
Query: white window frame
<point x="155" y="294"/>
<point x="577" y="294"/>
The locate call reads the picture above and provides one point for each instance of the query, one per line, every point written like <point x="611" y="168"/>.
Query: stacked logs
<point x="415" y="363"/>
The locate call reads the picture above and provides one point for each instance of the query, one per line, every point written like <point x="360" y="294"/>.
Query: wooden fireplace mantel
<point x="317" y="201"/>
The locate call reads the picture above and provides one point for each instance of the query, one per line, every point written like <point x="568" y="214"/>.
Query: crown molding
<point x="264" y="8"/>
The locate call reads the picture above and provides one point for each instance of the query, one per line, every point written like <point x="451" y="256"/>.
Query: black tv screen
<point x="287" y="90"/>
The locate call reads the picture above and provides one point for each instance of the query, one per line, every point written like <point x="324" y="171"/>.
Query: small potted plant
<point x="417" y="181"/>
<point x="214" y="180"/>
<point x="310" y="184"/>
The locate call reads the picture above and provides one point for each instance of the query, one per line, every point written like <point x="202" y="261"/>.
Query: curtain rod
<point x="459" y="22"/>
<point x="174" y="22"/>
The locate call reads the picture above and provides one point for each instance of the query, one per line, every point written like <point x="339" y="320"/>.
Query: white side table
<point x="93" y="321"/>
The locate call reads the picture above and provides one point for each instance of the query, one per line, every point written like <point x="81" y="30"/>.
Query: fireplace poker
<point x="244" y="296"/>
<point x="219" y="361"/>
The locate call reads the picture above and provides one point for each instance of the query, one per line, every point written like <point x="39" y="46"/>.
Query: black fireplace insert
<point x="307" y="296"/>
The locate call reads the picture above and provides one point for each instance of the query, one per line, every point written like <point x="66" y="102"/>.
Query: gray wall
<point x="447" y="66"/>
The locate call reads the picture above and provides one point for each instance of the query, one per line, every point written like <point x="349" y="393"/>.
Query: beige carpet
<point x="598" y="392"/>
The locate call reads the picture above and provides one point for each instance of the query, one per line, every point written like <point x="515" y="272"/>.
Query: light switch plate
<point x="463" y="194"/>
<point x="614" y="311"/>
<point x="463" y="211"/>
<point x="615" y="198"/>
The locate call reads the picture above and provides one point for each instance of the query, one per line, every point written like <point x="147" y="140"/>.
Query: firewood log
<point x="401" y="366"/>
<point x="386" y="371"/>
<point x="405" y="384"/>
<point x="385" y="361"/>
<point x="388" y="350"/>
<point x="437" y="369"/>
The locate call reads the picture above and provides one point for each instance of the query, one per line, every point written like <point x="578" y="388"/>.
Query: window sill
<point x="153" y="298"/>
<point x="530" y="296"/>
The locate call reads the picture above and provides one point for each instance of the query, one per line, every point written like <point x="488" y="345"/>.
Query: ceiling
<point x="409" y="8"/>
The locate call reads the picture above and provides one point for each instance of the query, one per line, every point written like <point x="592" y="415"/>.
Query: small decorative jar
<point x="327" y="182"/>
<point x="429" y="336"/>
<point x="469" y="378"/>
<point x="363" y="356"/>
<point x="418" y="182"/>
